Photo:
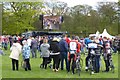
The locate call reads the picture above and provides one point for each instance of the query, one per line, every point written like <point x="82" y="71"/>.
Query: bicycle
<point x="91" y="62"/>
<point x="111" y="64"/>
<point x="79" y="64"/>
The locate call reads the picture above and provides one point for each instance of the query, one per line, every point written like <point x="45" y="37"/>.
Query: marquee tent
<point x="105" y="34"/>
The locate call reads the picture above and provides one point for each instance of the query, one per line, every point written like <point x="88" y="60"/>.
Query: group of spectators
<point x="58" y="49"/>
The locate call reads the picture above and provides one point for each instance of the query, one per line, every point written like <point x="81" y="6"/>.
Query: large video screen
<point x="52" y="22"/>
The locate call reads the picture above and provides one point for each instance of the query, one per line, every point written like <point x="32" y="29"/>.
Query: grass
<point x="37" y="72"/>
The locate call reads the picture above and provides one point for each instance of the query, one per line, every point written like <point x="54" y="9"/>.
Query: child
<point x="26" y="55"/>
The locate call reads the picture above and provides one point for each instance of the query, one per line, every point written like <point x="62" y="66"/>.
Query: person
<point x="118" y="47"/>
<point x="26" y="55"/>
<point x="11" y="40"/>
<point x="67" y="38"/>
<point x="106" y="53"/>
<point x="44" y="48"/>
<point x="6" y="43"/>
<point x="15" y="53"/>
<point x="114" y="45"/>
<point x="29" y="41"/>
<point x="78" y="45"/>
<point x="55" y="53"/>
<point x="63" y="52"/>
<point x="1" y="51"/>
<point x="34" y="45"/>
<point x="82" y="45"/>
<point x="72" y="54"/>
<point x="97" y="55"/>
<point x="87" y="41"/>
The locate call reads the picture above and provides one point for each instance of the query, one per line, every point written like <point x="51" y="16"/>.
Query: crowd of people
<point x="60" y="48"/>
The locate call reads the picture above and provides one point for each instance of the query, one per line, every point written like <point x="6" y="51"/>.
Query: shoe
<point x="61" y="68"/>
<point x="68" y="72"/>
<point x="86" y="68"/>
<point x="105" y="71"/>
<point x="50" y="66"/>
<point x="96" y="72"/>
<point x="92" y="72"/>
<point x="54" y="70"/>
<point x="73" y="73"/>
<point x="57" y="70"/>
<point x="25" y="69"/>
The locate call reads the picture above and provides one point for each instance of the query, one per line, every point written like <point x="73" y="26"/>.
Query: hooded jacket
<point x="54" y="48"/>
<point x="15" y="51"/>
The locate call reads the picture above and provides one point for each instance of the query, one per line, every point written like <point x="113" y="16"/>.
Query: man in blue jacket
<point x="63" y="52"/>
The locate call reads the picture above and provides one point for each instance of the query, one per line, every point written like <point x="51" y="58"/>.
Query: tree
<point x="55" y="7"/>
<point x="78" y="19"/>
<point x="20" y="16"/>
<point x="0" y="19"/>
<point x="108" y="16"/>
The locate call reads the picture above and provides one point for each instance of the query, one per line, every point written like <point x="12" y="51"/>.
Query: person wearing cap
<point x="15" y="53"/>
<point x="55" y="53"/>
<point x="26" y="55"/>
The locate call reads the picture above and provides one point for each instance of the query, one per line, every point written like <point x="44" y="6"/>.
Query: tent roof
<point x="105" y="34"/>
<point x="97" y="34"/>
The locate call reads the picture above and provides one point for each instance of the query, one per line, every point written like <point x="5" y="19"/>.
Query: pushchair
<point x="48" y="62"/>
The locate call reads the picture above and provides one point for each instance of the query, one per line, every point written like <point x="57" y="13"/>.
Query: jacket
<point x="45" y="50"/>
<point x="34" y="44"/>
<point x="54" y="47"/>
<point x="26" y="51"/>
<point x="63" y="45"/>
<point x="15" y="51"/>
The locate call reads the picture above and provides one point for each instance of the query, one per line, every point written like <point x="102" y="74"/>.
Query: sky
<point x="92" y="3"/>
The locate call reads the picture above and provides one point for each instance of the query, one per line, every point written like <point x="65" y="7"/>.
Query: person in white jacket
<point x="15" y="53"/>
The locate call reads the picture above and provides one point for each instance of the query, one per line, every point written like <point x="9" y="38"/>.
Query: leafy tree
<point x="0" y="18"/>
<point x="55" y="7"/>
<point x="108" y="16"/>
<point x="20" y="16"/>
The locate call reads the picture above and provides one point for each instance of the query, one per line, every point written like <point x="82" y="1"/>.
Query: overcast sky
<point x="93" y="3"/>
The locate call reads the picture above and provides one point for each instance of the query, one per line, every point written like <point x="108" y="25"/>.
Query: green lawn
<point x="36" y="72"/>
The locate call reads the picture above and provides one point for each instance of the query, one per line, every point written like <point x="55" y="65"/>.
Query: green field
<point x="37" y="72"/>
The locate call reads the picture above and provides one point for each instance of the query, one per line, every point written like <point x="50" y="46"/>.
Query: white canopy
<point x="97" y="34"/>
<point x="105" y="34"/>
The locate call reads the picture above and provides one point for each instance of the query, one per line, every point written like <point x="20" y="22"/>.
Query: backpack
<point x="107" y="45"/>
<point x="73" y="47"/>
